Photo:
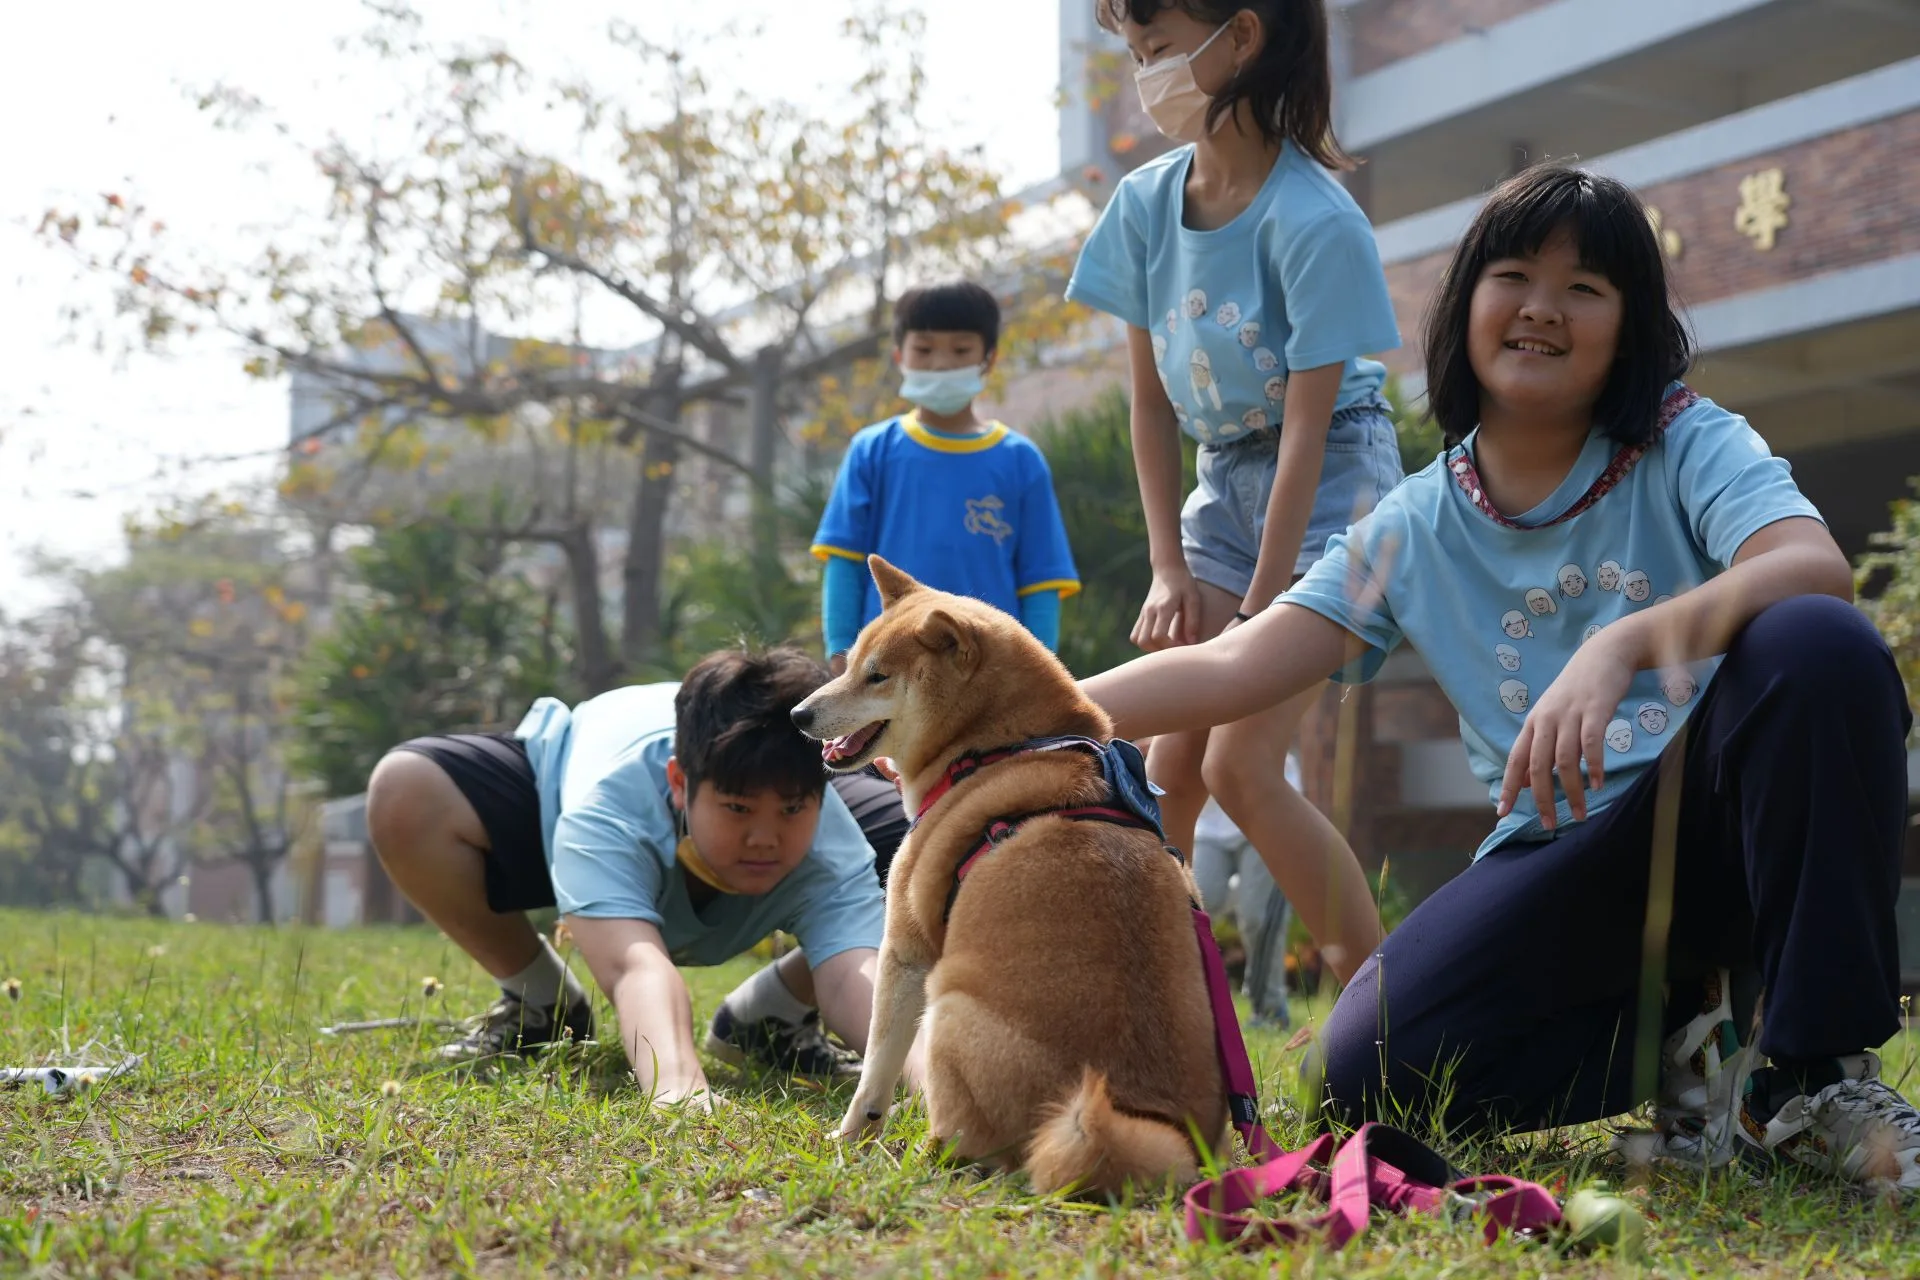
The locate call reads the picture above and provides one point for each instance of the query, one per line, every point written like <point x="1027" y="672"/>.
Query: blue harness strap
<point x="1131" y="797"/>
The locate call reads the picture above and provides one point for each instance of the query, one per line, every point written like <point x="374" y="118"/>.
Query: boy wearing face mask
<point x="963" y="505"/>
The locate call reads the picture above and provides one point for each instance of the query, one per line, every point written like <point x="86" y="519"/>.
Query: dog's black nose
<point x="802" y="717"/>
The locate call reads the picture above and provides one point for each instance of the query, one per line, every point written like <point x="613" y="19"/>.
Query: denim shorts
<point x="1220" y="524"/>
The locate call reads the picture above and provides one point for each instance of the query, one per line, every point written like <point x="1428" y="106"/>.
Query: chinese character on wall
<point x="1762" y="213"/>
<point x="1668" y="238"/>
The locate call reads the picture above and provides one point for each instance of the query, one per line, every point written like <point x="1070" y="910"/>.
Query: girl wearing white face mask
<point x="1240" y="253"/>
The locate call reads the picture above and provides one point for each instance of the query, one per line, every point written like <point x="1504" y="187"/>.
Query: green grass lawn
<point x="249" y="1144"/>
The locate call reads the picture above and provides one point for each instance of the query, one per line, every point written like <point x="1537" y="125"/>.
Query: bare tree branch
<point x="689" y="326"/>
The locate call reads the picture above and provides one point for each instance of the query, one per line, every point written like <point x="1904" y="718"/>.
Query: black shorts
<point x="492" y="771"/>
<point x="494" y="774"/>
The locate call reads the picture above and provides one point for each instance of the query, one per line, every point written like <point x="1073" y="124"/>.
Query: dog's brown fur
<point x="1068" y="1028"/>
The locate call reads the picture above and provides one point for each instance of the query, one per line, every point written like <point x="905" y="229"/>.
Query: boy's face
<point x="752" y="842"/>
<point x="937" y="349"/>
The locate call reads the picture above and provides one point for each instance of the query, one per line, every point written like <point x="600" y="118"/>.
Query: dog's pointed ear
<point x="892" y="582"/>
<point x="955" y="637"/>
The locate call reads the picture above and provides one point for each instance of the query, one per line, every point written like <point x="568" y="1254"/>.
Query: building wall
<point x="1384" y="31"/>
<point x="1851" y="199"/>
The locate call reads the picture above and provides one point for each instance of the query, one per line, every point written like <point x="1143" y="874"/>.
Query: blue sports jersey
<point x="973" y="515"/>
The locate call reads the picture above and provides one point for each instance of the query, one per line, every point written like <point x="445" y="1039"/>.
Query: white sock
<point x="540" y="983"/>
<point x="765" y="996"/>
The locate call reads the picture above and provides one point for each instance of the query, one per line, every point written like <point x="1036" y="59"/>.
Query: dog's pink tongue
<point x="841" y="748"/>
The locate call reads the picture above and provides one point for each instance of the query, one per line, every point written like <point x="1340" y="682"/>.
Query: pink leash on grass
<point x="1379" y="1167"/>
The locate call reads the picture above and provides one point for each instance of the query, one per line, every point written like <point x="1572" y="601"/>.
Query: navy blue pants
<point x="1510" y="999"/>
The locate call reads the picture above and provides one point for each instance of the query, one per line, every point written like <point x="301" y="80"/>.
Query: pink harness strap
<point x="1378" y="1168"/>
<point x="1243" y="1100"/>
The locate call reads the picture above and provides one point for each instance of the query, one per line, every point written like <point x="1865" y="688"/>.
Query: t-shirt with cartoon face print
<point x="1293" y="283"/>
<point x="1498" y="606"/>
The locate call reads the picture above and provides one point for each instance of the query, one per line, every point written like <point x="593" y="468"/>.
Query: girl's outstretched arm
<point x="1283" y="652"/>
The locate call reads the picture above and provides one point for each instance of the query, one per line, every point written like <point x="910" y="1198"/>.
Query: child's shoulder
<point x="1687" y="412"/>
<point x="875" y="434"/>
<point x="1155" y="178"/>
<point x="1690" y="422"/>
<point x="1425" y="486"/>
<point x="885" y="425"/>
<point x="1306" y="191"/>
<point x="1417" y="503"/>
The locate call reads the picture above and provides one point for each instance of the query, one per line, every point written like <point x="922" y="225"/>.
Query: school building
<point x="1778" y="143"/>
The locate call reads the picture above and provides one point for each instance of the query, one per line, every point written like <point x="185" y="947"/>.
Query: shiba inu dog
<point x="1068" y="1030"/>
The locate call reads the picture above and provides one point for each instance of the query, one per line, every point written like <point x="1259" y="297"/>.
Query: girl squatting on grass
<point x="1647" y="633"/>
<point x="1251" y="288"/>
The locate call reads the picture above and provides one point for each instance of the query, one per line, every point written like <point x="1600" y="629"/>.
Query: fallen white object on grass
<point x="387" y="1024"/>
<point x="61" y="1079"/>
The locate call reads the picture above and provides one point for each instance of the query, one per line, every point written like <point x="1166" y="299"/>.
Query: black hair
<point x="1289" y="86"/>
<point x="733" y="723"/>
<point x="1611" y="229"/>
<point x="952" y="306"/>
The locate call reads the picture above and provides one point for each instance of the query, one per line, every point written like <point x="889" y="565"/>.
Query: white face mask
<point x="1172" y="98"/>
<point x="943" y="391"/>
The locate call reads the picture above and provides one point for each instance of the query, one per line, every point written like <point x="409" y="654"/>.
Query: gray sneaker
<point x="514" y="1026"/>
<point x="1857" y="1128"/>
<point x="798" y="1049"/>
<point x="1705" y="1066"/>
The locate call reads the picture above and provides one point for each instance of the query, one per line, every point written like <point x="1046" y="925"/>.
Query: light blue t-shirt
<point x="1496" y="607"/>
<point x="601" y="769"/>
<point x="1294" y="282"/>
<point x="971" y="515"/>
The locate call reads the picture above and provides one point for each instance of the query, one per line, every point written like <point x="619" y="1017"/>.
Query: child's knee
<point x="1239" y="771"/>
<point x="1835" y="659"/>
<point x="406" y="804"/>
<point x="1819" y="634"/>
<point x="1344" y="1071"/>
<point x="1175" y="762"/>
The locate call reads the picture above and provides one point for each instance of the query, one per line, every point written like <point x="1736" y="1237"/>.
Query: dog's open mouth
<point x="841" y="751"/>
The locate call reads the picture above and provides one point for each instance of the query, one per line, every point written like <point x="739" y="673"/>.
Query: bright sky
<point x="96" y="97"/>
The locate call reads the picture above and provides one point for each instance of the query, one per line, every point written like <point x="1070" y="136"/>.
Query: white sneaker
<point x="1857" y="1128"/>
<point x="1704" y="1067"/>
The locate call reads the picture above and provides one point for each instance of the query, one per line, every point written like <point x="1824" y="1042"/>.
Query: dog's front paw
<point x="863" y="1120"/>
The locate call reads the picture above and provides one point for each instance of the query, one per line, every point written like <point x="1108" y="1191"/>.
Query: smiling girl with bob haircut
<point x="1647" y="632"/>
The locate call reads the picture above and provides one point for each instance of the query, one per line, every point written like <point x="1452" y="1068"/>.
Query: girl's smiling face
<point x="1542" y="331"/>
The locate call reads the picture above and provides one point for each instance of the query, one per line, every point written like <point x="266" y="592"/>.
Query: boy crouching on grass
<point x="672" y="825"/>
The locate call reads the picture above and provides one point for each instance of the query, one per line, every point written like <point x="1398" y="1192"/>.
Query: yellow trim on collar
<point x="1065" y="586"/>
<point x="993" y="435"/>
<point x="821" y="551"/>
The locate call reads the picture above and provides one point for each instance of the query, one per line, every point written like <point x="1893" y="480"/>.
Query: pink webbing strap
<point x="1243" y="1102"/>
<point x="1378" y="1168"/>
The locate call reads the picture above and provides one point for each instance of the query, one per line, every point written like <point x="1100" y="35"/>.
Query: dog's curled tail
<point x="1094" y="1147"/>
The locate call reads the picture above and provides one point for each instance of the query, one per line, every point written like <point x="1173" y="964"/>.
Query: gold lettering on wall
<point x="1668" y="238"/>
<point x="1764" y="202"/>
